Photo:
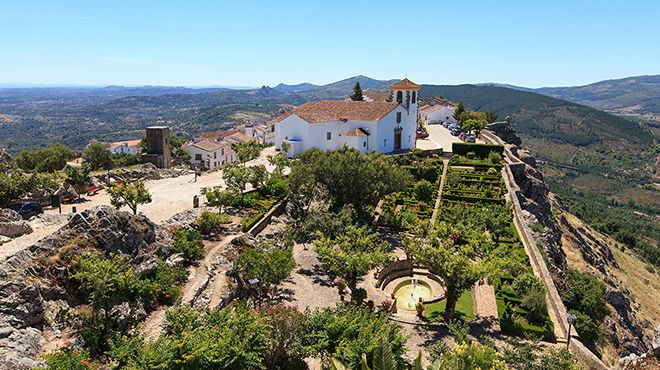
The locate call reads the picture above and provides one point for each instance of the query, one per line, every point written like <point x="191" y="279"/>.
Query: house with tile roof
<point x="125" y="147"/>
<point x="375" y="125"/>
<point x="210" y="153"/>
<point x="437" y="110"/>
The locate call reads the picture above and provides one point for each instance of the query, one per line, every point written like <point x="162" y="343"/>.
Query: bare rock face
<point x="505" y="132"/>
<point x="27" y="288"/>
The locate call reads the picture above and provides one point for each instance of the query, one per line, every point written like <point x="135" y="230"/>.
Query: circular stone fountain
<point x="408" y="285"/>
<point x="409" y="292"/>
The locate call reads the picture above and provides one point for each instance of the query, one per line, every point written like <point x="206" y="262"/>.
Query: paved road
<point x="439" y="137"/>
<point x="171" y="195"/>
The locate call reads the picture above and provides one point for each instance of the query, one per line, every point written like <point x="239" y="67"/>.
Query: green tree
<point x="270" y="264"/>
<point x="129" y="194"/>
<point x="78" y="177"/>
<point x="454" y="264"/>
<point x="345" y="176"/>
<point x="188" y="242"/>
<point x="491" y="116"/>
<point x="522" y="356"/>
<point x="219" y="197"/>
<point x="16" y="185"/>
<point x="352" y="254"/>
<point x="177" y="150"/>
<point x="460" y="108"/>
<point x="97" y="156"/>
<point x="209" y="222"/>
<point x="247" y="151"/>
<point x="48" y="159"/>
<point x="357" y="92"/>
<point x="349" y="332"/>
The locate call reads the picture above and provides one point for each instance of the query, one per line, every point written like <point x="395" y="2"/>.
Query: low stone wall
<point x="276" y="210"/>
<point x="556" y="308"/>
<point x="399" y="268"/>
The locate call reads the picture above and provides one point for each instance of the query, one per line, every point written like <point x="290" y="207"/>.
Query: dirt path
<point x="205" y="286"/>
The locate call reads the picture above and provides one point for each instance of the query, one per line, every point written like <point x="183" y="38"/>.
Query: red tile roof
<point x="405" y="84"/>
<point x="335" y="110"/>
<point x="208" y="145"/>
<point x="355" y="132"/>
<point x="127" y="142"/>
<point x="377" y="95"/>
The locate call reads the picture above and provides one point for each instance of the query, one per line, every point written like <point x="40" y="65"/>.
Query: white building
<point x="437" y="111"/>
<point x="382" y="126"/>
<point x="125" y="147"/>
<point x="210" y="154"/>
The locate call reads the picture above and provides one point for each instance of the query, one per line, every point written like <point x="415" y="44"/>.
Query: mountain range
<point x="635" y="97"/>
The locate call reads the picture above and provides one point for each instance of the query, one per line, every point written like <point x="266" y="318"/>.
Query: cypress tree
<point x="357" y="93"/>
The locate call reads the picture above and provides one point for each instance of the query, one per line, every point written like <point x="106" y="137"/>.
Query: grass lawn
<point x="464" y="308"/>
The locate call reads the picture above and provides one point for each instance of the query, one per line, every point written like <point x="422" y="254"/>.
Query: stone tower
<point x="158" y="146"/>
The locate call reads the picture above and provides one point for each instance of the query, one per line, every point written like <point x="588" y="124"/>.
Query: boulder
<point x="14" y="229"/>
<point x="9" y="215"/>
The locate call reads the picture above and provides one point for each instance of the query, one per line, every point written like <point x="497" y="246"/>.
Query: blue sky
<point x="201" y="43"/>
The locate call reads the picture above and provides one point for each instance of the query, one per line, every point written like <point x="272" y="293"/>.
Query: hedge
<point x="472" y="199"/>
<point x="247" y="222"/>
<point x="480" y="150"/>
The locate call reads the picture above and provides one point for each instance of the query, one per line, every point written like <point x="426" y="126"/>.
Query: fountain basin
<point x="409" y="292"/>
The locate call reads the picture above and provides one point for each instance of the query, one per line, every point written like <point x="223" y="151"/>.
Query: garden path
<point x="445" y="164"/>
<point x="484" y="302"/>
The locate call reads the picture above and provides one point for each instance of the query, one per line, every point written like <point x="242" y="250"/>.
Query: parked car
<point x="469" y="138"/>
<point x="454" y="126"/>
<point x="456" y="131"/>
<point x="422" y="134"/>
<point x="446" y="124"/>
<point x="28" y="209"/>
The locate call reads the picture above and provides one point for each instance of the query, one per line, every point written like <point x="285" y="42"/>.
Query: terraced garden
<point x="405" y="209"/>
<point x="473" y="201"/>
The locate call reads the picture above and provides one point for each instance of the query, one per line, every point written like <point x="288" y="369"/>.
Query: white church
<point x="387" y="125"/>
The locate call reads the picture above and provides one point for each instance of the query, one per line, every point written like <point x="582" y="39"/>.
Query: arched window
<point x="399" y="97"/>
<point x="414" y="96"/>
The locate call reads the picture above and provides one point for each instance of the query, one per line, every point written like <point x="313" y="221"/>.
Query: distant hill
<point x="637" y="97"/>
<point x="558" y="130"/>
<point x="296" y="88"/>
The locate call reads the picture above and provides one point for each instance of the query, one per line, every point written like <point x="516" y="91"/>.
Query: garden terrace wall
<point x="260" y="225"/>
<point x="480" y="150"/>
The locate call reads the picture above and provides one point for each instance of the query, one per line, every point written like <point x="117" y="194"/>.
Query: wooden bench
<point x="92" y="189"/>
<point x="67" y="198"/>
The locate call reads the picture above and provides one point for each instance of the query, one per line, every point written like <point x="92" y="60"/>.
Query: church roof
<point x="336" y="110"/>
<point x="405" y="84"/>
<point x="355" y="132"/>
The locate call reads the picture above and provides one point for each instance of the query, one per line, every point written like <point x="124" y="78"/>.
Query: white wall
<point x="439" y="116"/>
<point x="125" y="149"/>
<point x="381" y="138"/>
<point x="210" y="159"/>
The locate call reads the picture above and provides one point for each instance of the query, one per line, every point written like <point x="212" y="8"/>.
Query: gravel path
<point x="485" y="304"/>
<point x="308" y="286"/>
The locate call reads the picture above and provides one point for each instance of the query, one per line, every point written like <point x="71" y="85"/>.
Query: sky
<point x="254" y="43"/>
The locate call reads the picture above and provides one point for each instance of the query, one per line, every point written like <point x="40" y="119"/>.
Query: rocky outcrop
<point x="12" y="224"/>
<point x="504" y="130"/>
<point x="29" y="285"/>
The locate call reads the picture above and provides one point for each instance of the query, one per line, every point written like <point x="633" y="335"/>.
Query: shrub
<point x="470" y="155"/>
<point x="494" y="157"/>
<point x="69" y="359"/>
<point x="166" y="282"/>
<point x="481" y="150"/>
<point x="525" y="283"/>
<point x="208" y="222"/>
<point x="585" y="293"/>
<point x="589" y="330"/>
<point x="249" y="222"/>
<point x="471" y="356"/>
<point x="534" y="303"/>
<point x="423" y="190"/>
<point x="189" y="243"/>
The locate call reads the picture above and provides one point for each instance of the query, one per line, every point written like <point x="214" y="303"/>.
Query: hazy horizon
<point x="173" y="43"/>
